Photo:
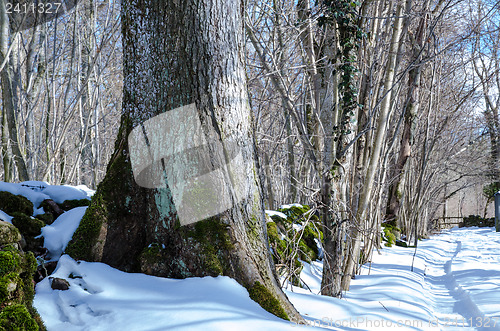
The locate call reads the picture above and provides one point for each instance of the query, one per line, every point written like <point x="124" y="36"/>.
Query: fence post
<point x="497" y="211"/>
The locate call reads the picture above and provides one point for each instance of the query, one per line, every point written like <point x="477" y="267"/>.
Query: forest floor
<point x="454" y="284"/>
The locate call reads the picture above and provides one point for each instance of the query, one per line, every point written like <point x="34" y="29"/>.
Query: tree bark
<point x="378" y="141"/>
<point x="180" y="53"/>
<point x="410" y="112"/>
<point x="9" y="99"/>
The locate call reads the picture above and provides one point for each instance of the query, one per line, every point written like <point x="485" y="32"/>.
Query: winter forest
<point x="249" y="164"/>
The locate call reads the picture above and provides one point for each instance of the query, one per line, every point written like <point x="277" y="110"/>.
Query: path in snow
<point x="471" y="276"/>
<point x="452" y="305"/>
<point x="455" y="285"/>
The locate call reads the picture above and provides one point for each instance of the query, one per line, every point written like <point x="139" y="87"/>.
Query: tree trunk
<point x="9" y="99"/>
<point x="367" y="188"/>
<point x="184" y="56"/>
<point x="410" y="112"/>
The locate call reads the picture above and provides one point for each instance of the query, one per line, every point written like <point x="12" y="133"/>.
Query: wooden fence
<point x="442" y="223"/>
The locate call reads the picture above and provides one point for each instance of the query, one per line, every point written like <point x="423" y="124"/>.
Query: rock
<point x="30" y="228"/>
<point x="59" y="284"/>
<point x="70" y="204"/>
<point x="49" y="206"/>
<point x="47" y="218"/>
<point x="9" y="234"/>
<point x="27" y="225"/>
<point x="17" y="287"/>
<point x="401" y="243"/>
<point x="11" y="203"/>
<point x="43" y="270"/>
<point x="18" y="317"/>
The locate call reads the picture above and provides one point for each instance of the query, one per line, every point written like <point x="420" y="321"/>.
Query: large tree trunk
<point x="185" y="54"/>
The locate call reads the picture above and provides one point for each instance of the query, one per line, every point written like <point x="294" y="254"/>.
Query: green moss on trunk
<point x="85" y="237"/>
<point x="212" y="235"/>
<point x="260" y="294"/>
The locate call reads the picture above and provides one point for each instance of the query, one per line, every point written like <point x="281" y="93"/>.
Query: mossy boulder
<point x="391" y="234"/>
<point x="46" y="218"/>
<point x="70" y="204"/>
<point x="17" y="317"/>
<point x="27" y="225"/>
<point x="50" y="207"/>
<point x="10" y="260"/>
<point x="8" y="233"/>
<point x="17" y="290"/>
<point x="294" y="238"/>
<point x="10" y="203"/>
<point x="30" y="228"/>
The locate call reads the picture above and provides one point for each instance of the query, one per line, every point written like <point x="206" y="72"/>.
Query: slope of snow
<point x="58" y="234"/>
<point x="103" y="298"/>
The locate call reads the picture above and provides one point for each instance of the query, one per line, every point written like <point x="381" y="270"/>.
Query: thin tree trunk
<point x="378" y="143"/>
<point x="8" y="94"/>
<point x="410" y="112"/>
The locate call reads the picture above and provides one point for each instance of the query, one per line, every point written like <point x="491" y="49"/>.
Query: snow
<point x="454" y="285"/>
<point x="5" y="217"/>
<point x="291" y="205"/>
<point x="277" y="213"/>
<point x="58" y="234"/>
<point x="103" y="298"/>
<point x="61" y="193"/>
<point x="37" y="191"/>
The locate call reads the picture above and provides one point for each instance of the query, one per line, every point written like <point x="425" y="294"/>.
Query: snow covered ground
<point x="455" y="284"/>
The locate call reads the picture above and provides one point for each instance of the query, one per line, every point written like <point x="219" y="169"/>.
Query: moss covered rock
<point x="11" y="203"/>
<point x="294" y="238"/>
<point x="70" y="204"/>
<point x="17" y="290"/>
<point x="8" y="233"/>
<point x="17" y="317"/>
<point x="391" y="234"/>
<point x="27" y="225"/>
<point x="46" y="218"/>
